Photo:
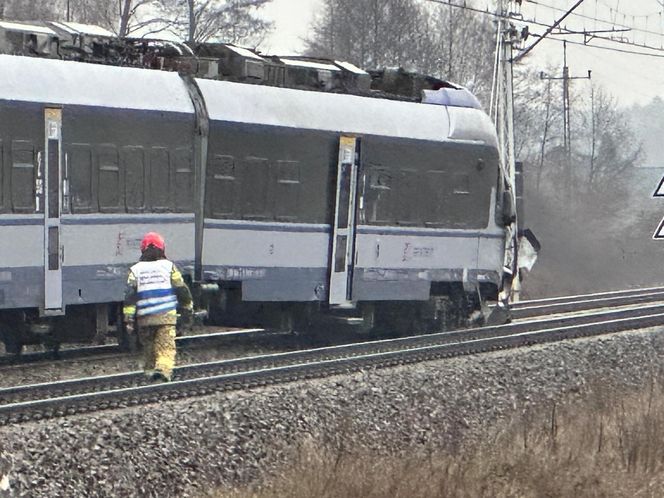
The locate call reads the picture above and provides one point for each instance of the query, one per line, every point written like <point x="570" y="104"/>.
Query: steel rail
<point x="520" y="310"/>
<point x="127" y="379"/>
<point x="589" y="296"/>
<point x="269" y="369"/>
<point x="107" y="350"/>
<point x="584" y="303"/>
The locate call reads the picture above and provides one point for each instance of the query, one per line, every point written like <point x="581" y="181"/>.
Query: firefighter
<point x="155" y="288"/>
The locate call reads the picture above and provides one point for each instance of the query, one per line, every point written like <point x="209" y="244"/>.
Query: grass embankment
<point x="600" y="447"/>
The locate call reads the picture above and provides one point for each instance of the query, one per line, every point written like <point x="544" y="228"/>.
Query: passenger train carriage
<point x="276" y="203"/>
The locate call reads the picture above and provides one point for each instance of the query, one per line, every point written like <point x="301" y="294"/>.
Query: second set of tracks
<point x="633" y="310"/>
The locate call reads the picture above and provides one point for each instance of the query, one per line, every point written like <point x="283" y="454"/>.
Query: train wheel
<point x="11" y="339"/>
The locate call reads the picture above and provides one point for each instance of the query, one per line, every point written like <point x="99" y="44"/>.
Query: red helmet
<point x="153" y="239"/>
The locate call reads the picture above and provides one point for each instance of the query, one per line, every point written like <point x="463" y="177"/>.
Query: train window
<point x="160" y="179"/>
<point x="53" y="248"/>
<point x="378" y="195"/>
<point x="221" y="196"/>
<point x="340" y="255"/>
<point x="109" y="187"/>
<point x="287" y="200"/>
<point x="133" y="163"/>
<point x="408" y="198"/>
<point x="79" y="157"/>
<point x="184" y="181"/>
<point x="343" y="195"/>
<point x="53" y="178"/>
<point x="23" y="176"/>
<point x="254" y="188"/>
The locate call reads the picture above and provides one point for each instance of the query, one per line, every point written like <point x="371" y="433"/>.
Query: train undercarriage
<point x="449" y="307"/>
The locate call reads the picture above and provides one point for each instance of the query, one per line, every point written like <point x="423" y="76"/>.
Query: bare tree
<point x="537" y="120"/>
<point x="463" y="44"/>
<point x="235" y="21"/>
<point x="100" y="12"/>
<point x="30" y="10"/>
<point x="370" y="33"/>
<point x="452" y="44"/>
<point x="611" y="142"/>
<point x="146" y="17"/>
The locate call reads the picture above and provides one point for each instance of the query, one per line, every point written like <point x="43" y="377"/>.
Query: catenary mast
<point x="502" y="113"/>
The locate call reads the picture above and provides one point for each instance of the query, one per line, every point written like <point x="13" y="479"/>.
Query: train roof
<point x="50" y="81"/>
<point x="56" y="82"/>
<point x="272" y="106"/>
<point x="76" y="28"/>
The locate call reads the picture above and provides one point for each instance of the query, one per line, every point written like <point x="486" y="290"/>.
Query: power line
<point x="567" y="125"/>
<point x="548" y="31"/>
<point x="561" y="30"/>
<point x="601" y="47"/>
<point x="604" y="21"/>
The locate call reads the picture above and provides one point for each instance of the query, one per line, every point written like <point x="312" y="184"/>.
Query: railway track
<point x="520" y="311"/>
<point x="33" y="402"/>
<point x="109" y="350"/>
<point x="583" y="302"/>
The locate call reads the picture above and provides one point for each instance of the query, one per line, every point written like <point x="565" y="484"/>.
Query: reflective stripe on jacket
<point x="178" y="287"/>
<point x="154" y="291"/>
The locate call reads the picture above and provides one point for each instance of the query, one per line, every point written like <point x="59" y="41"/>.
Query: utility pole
<point x="508" y="37"/>
<point x="567" y="128"/>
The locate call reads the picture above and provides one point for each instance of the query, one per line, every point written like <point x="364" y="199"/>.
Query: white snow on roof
<point x="51" y="81"/>
<point x="313" y="65"/>
<point x="235" y="102"/>
<point x="350" y="67"/>
<point x="84" y="29"/>
<point x="180" y="48"/>
<point x="27" y="28"/>
<point x="244" y="52"/>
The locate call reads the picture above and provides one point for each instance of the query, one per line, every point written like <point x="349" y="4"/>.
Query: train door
<point x="343" y="232"/>
<point x="49" y="186"/>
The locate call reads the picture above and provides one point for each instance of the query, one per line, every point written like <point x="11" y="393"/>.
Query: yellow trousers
<point x="158" y="348"/>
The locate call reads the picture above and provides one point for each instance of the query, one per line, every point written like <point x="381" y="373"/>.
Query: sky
<point x="633" y="79"/>
<point x="292" y="19"/>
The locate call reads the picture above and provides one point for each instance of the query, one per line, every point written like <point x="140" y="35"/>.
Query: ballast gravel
<point x="188" y="447"/>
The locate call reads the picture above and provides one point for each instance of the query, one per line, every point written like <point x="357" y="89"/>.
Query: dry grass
<point x="602" y="447"/>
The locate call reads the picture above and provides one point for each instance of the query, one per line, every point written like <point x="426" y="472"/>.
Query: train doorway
<point x="343" y="232"/>
<point x="49" y="183"/>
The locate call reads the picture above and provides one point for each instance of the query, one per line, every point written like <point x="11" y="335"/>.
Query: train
<point x="283" y="207"/>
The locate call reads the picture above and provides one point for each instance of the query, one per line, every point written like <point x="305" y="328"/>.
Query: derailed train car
<point x="279" y="204"/>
